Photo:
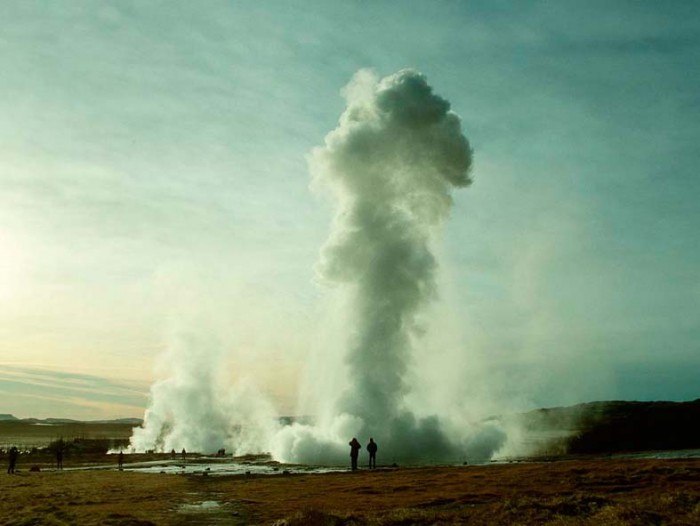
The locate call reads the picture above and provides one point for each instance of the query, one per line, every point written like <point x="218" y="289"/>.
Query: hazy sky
<point x="153" y="176"/>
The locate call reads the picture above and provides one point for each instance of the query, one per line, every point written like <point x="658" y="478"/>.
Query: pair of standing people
<point x="355" y="452"/>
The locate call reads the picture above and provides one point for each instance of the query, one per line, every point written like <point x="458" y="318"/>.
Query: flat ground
<point x="26" y="435"/>
<point x="573" y="492"/>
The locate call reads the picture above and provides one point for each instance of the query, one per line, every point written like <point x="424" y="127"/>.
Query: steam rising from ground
<point x="391" y="165"/>
<point x="197" y="408"/>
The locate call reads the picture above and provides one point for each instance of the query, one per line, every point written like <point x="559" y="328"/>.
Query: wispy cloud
<point x="72" y="395"/>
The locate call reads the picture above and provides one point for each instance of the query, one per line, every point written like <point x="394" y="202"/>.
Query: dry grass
<point x="600" y="492"/>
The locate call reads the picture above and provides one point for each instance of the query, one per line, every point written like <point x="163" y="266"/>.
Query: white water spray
<point x="391" y="165"/>
<point x="197" y="408"/>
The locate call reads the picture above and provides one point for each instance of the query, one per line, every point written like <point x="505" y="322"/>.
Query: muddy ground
<point x="596" y="491"/>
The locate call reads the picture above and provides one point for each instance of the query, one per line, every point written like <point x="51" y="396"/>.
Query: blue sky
<point x="153" y="175"/>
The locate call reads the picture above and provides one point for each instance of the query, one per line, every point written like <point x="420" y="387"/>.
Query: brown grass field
<point x="566" y="492"/>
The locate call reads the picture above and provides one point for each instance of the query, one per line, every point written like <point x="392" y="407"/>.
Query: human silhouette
<point x="14" y="453"/>
<point x="372" y="450"/>
<point x="173" y="454"/>
<point x="184" y="454"/>
<point x="354" y="452"/>
<point x="120" y="460"/>
<point x="59" y="457"/>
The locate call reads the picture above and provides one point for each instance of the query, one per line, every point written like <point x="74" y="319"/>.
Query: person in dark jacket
<point x="14" y="453"/>
<point x="372" y="450"/>
<point x="354" y="452"/>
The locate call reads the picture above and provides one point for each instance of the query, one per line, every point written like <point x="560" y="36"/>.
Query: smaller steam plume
<point x="196" y="408"/>
<point x="391" y="166"/>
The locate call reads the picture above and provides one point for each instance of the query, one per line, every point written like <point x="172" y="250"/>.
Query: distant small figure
<point x="120" y="460"/>
<point x="173" y="454"/>
<point x="372" y="450"/>
<point x="354" y="452"/>
<point x="184" y="455"/>
<point x="59" y="458"/>
<point x="14" y="454"/>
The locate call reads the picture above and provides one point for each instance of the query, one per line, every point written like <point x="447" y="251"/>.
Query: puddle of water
<point x="204" y="506"/>
<point x="229" y="468"/>
<point x="212" y="512"/>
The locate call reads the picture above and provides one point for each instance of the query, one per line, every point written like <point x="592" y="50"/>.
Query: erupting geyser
<point x="391" y="165"/>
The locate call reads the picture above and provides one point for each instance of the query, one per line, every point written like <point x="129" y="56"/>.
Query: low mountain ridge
<point x="617" y="427"/>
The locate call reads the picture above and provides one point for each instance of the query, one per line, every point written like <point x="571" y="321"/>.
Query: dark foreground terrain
<point x="581" y="485"/>
<point x="573" y="492"/>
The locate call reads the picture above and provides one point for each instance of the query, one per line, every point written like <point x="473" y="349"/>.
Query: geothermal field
<point x="450" y="451"/>
<point x="373" y="263"/>
<point x="208" y="452"/>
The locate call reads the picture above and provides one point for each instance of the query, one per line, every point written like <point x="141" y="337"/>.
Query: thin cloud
<point x="79" y="389"/>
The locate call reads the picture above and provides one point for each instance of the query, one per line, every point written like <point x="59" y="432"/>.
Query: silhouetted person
<point x="354" y="452"/>
<point x="59" y="458"/>
<point x="184" y="454"/>
<point x="372" y="450"/>
<point x="14" y="454"/>
<point x="173" y="454"/>
<point x="120" y="460"/>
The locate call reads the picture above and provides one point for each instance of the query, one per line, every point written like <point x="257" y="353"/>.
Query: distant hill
<point x="131" y="421"/>
<point x="57" y="421"/>
<point x="34" y="432"/>
<point x="618" y="427"/>
<point x="49" y="421"/>
<point x="5" y="417"/>
<point x="638" y="426"/>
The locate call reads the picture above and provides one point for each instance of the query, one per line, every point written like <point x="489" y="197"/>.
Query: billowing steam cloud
<point x="197" y="408"/>
<point x="391" y="165"/>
